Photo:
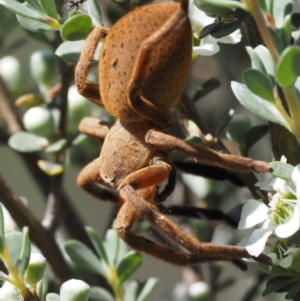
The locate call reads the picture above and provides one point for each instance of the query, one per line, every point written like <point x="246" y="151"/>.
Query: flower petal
<point x="290" y="227"/>
<point x="253" y="213"/>
<point x="257" y="241"/>
<point x="207" y="49"/>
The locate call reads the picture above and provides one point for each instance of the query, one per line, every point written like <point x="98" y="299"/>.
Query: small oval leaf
<point x="282" y="170"/>
<point x="99" y="293"/>
<point x="128" y="265"/>
<point x="76" y="28"/>
<point x="97" y="243"/>
<point x="257" y="105"/>
<point x="50" y="8"/>
<point x="288" y="67"/>
<point x="27" y="142"/>
<point x="226" y="29"/>
<point x="147" y="289"/>
<point x="259" y="84"/>
<point x="24" y="255"/>
<point x="33" y="25"/>
<point x="56" y="146"/>
<point x="51" y="169"/>
<point x="84" y="257"/>
<point x="21" y="9"/>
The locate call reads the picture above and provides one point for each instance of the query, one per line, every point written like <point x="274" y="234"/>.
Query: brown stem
<point x="42" y="238"/>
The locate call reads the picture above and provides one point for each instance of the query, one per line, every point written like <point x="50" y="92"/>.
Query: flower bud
<point x="39" y="121"/>
<point x="199" y="291"/>
<point x="36" y="269"/>
<point x="74" y="290"/>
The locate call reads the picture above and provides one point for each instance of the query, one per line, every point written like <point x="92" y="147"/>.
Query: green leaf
<point x="52" y="297"/>
<point x="50" y="8"/>
<point x="2" y="239"/>
<point x="18" y="250"/>
<point x="128" y="265"/>
<point x="80" y="138"/>
<point x="147" y="289"/>
<point x="282" y="170"/>
<point x="26" y="142"/>
<point x="51" y="169"/>
<point x="57" y="146"/>
<point x="131" y="291"/>
<point x="208" y="29"/>
<point x="84" y="257"/>
<point x="70" y="51"/>
<point x="259" y="84"/>
<point x="76" y="28"/>
<point x="93" y="11"/>
<point x="262" y="60"/>
<point x="226" y="29"/>
<point x="288" y="67"/>
<point x="97" y="243"/>
<point x="24" y="255"/>
<point x="256" y="62"/>
<point x="206" y="88"/>
<point x="276" y="37"/>
<point x="257" y="105"/>
<point x="286" y="32"/>
<point x="223" y="121"/>
<point x="35" y="5"/>
<point x="99" y="293"/>
<point x="277" y="282"/>
<point x="255" y="134"/>
<point x="21" y="9"/>
<point x="293" y="291"/>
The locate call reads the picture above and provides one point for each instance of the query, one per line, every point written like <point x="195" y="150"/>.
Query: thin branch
<point x="42" y="238"/>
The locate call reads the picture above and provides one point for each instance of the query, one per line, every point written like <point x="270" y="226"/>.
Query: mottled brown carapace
<point x="143" y="68"/>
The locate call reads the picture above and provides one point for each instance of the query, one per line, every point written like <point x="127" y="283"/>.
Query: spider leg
<point x="86" y="88"/>
<point x="204" y="251"/>
<point x="205" y="155"/>
<point x="199" y="213"/>
<point x="94" y="127"/>
<point x="125" y="219"/>
<point x="144" y="107"/>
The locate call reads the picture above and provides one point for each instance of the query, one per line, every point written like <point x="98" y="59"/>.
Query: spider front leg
<point x="205" y="155"/>
<point x="86" y="88"/>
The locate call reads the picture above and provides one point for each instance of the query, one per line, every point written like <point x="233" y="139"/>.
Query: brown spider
<point x="144" y="64"/>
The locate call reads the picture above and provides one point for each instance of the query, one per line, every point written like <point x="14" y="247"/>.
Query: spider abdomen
<point x="167" y="72"/>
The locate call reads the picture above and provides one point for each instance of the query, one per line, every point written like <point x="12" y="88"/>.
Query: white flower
<point x="281" y="218"/>
<point x="208" y="45"/>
